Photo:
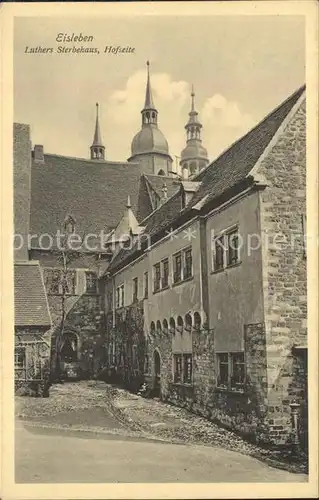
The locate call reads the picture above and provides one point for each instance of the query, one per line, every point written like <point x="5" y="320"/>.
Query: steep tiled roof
<point x="230" y="169"/>
<point x="93" y="193"/>
<point x="30" y="302"/>
<point x="235" y="163"/>
<point x="157" y="181"/>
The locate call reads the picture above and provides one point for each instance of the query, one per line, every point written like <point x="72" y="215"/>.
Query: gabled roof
<point x="30" y="301"/>
<point x="93" y="193"/>
<point x="236" y="162"/>
<point x="229" y="170"/>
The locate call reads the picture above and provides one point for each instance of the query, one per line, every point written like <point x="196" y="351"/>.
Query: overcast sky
<point x="241" y="67"/>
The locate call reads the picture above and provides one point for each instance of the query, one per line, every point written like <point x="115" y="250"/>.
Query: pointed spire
<point x="97" y="134"/>
<point x="149" y="112"/>
<point x="97" y="148"/>
<point x="194" y="155"/>
<point x="149" y="104"/>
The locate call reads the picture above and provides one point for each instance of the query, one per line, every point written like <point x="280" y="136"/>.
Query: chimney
<point x="38" y="154"/>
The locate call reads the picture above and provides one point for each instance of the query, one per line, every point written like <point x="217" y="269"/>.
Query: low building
<point x="32" y="331"/>
<point x="208" y="302"/>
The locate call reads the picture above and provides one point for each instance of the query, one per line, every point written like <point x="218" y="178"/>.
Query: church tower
<point x="194" y="156"/>
<point x="149" y="147"/>
<point x="97" y="148"/>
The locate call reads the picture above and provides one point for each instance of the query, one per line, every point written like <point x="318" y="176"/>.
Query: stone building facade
<point x="214" y="260"/>
<point x="197" y="284"/>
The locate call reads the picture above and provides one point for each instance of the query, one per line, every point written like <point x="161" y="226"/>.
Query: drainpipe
<point x="295" y="415"/>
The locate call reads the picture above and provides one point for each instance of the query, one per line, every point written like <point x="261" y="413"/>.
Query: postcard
<point x="159" y="243"/>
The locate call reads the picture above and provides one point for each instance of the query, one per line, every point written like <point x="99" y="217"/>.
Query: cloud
<point x="223" y="120"/>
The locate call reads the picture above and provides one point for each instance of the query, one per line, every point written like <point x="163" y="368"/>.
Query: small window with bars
<point x="187" y="368"/>
<point x="177" y="367"/>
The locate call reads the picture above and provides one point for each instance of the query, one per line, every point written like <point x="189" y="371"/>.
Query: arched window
<point x="180" y="324"/>
<point x="152" y="328"/>
<point x="197" y="320"/>
<point x="153" y="115"/>
<point x="172" y="326"/>
<point x="158" y="326"/>
<point x="188" y="322"/>
<point x="161" y="172"/>
<point x="165" y="326"/>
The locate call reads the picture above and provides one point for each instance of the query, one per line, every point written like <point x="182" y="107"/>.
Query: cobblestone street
<point x="93" y="408"/>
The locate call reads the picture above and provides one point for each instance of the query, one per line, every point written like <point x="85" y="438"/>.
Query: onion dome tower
<point x="97" y="148"/>
<point x="194" y="156"/>
<point x="149" y="146"/>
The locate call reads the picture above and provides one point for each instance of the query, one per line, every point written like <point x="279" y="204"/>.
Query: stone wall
<point x="124" y="358"/>
<point x="283" y="209"/>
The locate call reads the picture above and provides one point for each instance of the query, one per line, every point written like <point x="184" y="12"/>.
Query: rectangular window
<point x="120" y="296"/>
<point x="231" y="370"/>
<point x="165" y="273"/>
<point x="135" y="289"/>
<point x="218" y="253"/>
<point x="187" y="368"/>
<point x="157" y="277"/>
<point x="223" y="370"/>
<point x="232" y="247"/>
<point x="19" y="357"/>
<point x="117" y="297"/>
<point x="238" y="370"/>
<point x="90" y="282"/>
<point x="146" y="285"/>
<point x="177" y="267"/>
<point x="188" y="264"/>
<point x="177" y="367"/>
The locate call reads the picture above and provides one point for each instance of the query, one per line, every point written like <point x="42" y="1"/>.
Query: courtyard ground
<point x="89" y="408"/>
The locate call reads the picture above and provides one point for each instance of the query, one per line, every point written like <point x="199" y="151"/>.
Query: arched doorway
<point x="157" y="373"/>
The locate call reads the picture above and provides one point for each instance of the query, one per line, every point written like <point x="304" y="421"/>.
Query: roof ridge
<point x="94" y="162"/>
<point x="160" y="176"/>
<point x="272" y="112"/>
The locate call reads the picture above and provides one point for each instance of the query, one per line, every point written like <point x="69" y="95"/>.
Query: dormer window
<point x="69" y="224"/>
